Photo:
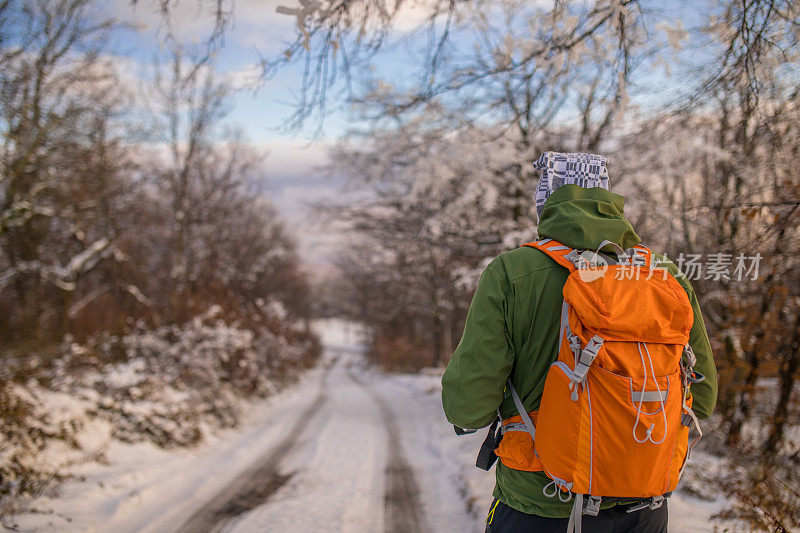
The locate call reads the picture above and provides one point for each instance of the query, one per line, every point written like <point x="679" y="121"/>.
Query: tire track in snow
<point x="402" y="510"/>
<point x="254" y="486"/>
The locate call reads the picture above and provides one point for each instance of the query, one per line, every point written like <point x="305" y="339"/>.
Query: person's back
<point x="512" y="332"/>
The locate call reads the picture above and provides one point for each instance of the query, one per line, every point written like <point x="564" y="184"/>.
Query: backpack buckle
<point x="575" y="258"/>
<point x="586" y="357"/>
<point x="589" y="353"/>
<point x="591" y="505"/>
<point x="650" y="503"/>
<point x="695" y="377"/>
<point x="657" y="502"/>
<point x="691" y="358"/>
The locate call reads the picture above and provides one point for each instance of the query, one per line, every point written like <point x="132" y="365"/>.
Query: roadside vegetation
<point x="147" y="289"/>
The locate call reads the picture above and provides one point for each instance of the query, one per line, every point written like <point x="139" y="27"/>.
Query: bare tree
<point x="57" y="96"/>
<point x="335" y="39"/>
<point x="728" y="164"/>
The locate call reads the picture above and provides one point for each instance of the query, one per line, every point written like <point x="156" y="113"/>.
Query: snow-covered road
<point x="348" y="468"/>
<point x="348" y="449"/>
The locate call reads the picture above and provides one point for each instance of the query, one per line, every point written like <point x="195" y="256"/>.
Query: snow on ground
<point x="335" y="469"/>
<point x="145" y="488"/>
<point x="341" y="335"/>
<point x="339" y="463"/>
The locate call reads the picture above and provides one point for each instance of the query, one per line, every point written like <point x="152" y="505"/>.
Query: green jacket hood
<point x="583" y="218"/>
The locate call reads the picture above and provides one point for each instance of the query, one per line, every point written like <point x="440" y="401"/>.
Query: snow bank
<point x="168" y="387"/>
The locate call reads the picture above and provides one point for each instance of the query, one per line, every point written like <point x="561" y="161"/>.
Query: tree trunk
<point x="787" y="379"/>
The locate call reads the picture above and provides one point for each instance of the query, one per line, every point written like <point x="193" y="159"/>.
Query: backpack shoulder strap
<point x="556" y="251"/>
<point x="639" y="255"/>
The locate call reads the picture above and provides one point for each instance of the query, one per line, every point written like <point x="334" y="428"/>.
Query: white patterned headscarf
<point x="585" y="170"/>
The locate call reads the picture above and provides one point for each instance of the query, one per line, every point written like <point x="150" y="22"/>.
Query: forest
<point x="141" y="274"/>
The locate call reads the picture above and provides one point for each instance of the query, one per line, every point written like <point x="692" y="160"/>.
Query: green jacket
<point x="512" y="331"/>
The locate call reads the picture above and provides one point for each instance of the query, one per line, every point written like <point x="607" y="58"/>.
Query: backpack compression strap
<point x="526" y="419"/>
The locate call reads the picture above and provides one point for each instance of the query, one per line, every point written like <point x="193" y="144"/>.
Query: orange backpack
<point x="615" y="413"/>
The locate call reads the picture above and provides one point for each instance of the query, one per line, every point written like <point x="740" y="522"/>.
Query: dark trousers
<point x="504" y="519"/>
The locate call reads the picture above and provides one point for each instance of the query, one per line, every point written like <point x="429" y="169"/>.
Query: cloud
<point x="296" y="184"/>
<point x="193" y="20"/>
<point x="413" y="15"/>
<point x="294" y="158"/>
<point x="245" y="78"/>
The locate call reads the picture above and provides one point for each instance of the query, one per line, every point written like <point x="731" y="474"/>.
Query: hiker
<point x="520" y="334"/>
